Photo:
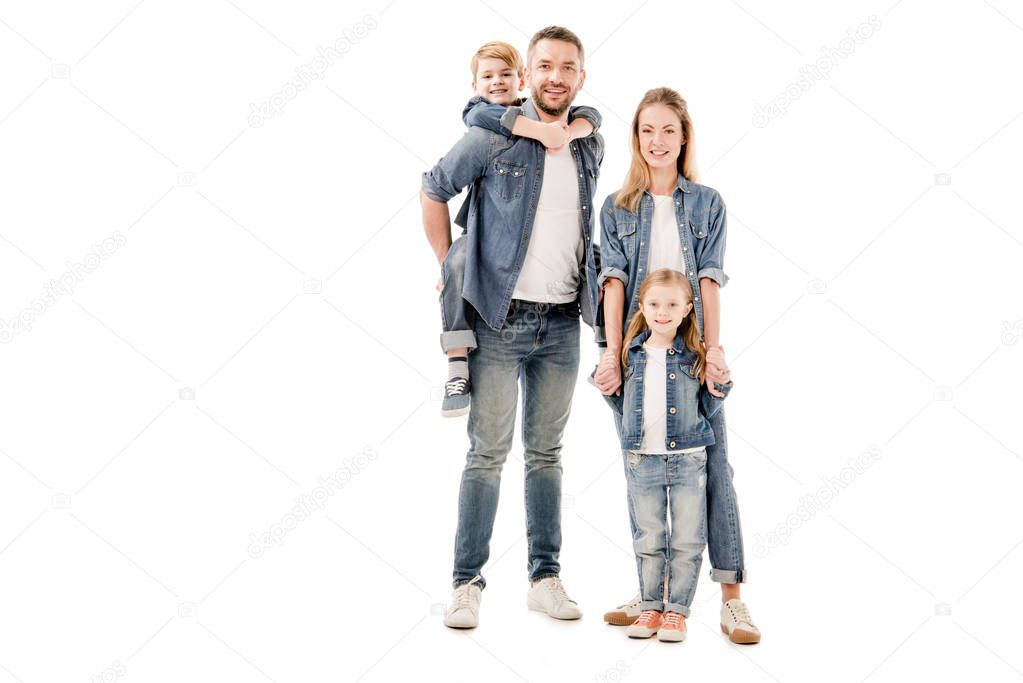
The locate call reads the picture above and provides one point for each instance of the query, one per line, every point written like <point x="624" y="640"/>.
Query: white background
<point x="871" y="305"/>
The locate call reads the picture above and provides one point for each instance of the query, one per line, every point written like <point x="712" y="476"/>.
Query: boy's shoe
<point x="457" y="391"/>
<point x="673" y="629"/>
<point x="624" y="615"/>
<point x="548" y="596"/>
<point x="465" y="606"/>
<point x="647" y="624"/>
<point x="737" y="624"/>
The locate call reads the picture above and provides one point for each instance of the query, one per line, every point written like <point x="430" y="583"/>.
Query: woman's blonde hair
<point x="690" y="330"/>
<point x="638" y="178"/>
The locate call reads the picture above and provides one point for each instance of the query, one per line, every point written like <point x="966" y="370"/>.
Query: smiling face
<point x="496" y="81"/>
<point x="555" y="75"/>
<point x="665" y="307"/>
<point x="660" y="136"/>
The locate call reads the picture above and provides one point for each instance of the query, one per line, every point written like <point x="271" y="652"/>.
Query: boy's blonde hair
<point x="495" y="49"/>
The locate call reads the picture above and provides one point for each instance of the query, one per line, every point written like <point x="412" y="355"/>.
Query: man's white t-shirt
<point x="550" y="272"/>
<point x="665" y="244"/>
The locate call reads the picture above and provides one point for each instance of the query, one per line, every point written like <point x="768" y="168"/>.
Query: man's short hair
<point x="555" y="33"/>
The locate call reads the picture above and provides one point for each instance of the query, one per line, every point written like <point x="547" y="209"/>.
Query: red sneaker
<point x="673" y="630"/>
<point x="647" y="624"/>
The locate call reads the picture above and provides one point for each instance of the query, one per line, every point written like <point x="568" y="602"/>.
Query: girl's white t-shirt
<point x="655" y="405"/>
<point x="665" y="244"/>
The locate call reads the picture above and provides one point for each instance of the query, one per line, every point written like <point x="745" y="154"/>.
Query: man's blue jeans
<point x="537" y="348"/>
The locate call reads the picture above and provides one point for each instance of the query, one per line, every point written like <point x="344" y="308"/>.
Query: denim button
<point x="672" y="410"/>
<point x="671" y="352"/>
<point x="671" y="376"/>
<point x="671" y="445"/>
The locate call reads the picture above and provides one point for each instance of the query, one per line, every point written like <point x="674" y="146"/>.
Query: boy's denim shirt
<point x="510" y="174"/>
<point x="499" y="118"/>
<point x="688" y="408"/>
<point x="625" y="242"/>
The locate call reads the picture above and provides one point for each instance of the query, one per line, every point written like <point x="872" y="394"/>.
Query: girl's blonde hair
<point x="690" y="330"/>
<point x="638" y="179"/>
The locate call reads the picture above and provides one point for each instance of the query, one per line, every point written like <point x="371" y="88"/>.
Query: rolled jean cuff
<point x="652" y="604"/>
<point x="457" y="339"/>
<point x="727" y="576"/>
<point x="675" y="607"/>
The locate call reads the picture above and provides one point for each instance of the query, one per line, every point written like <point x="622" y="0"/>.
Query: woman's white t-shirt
<point x="665" y="244"/>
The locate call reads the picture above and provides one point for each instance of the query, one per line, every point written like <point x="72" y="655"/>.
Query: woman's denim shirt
<point x="688" y="406"/>
<point x="625" y="243"/>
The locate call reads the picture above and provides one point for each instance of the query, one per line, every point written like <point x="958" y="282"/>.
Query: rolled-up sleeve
<point x="612" y="254"/>
<point x="588" y="113"/>
<point x="463" y="164"/>
<point x="710" y="251"/>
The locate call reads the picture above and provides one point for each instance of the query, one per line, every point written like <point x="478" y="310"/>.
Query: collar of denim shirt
<point x="680" y="184"/>
<point x="686" y="355"/>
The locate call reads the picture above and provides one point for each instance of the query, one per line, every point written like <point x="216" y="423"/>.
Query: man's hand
<point x="717" y="370"/>
<point x="609" y="373"/>
<point x="554" y="135"/>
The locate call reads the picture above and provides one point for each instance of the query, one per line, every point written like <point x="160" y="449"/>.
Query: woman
<point x="662" y="219"/>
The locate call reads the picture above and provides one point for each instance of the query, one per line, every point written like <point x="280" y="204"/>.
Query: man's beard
<point x="537" y="96"/>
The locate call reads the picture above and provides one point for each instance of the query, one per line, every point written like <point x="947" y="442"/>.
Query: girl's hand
<point x="609" y="373"/>
<point x="717" y="370"/>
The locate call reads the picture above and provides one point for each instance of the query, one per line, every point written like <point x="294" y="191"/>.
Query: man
<point x="529" y="274"/>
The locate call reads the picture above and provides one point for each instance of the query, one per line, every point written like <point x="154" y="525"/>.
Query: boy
<point x="497" y="70"/>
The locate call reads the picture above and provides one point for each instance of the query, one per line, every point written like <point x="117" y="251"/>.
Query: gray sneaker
<point x="465" y="606"/>
<point x="737" y="624"/>
<point x="548" y="596"/>
<point x="625" y="614"/>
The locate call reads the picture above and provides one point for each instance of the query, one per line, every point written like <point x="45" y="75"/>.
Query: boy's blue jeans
<point x="454" y="311"/>
<point x="537" y="349"/>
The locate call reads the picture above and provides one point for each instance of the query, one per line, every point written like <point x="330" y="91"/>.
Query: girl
<point x="662" y="218"/>
<point x="664" y="413"/>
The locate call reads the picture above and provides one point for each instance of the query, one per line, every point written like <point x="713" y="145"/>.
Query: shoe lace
<point x="456" y="384"/>
<point x="462" y="597"/>
<point x="740" y="612"/>
<point x="557" y="589"/>
<point x="632" y="603"/>
<point x="647" y="617"/>
<point x="673" y="619"/>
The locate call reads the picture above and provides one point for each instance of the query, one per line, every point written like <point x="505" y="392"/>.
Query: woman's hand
<point x="717" y="370"/>
<point x="609" y="373"/>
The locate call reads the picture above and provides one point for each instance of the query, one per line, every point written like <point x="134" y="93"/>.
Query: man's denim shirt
<point x="688" y="406"/>
<point x="499" y="118"/>
<point x="510" y="174"/>
<point x="625" y="242"/>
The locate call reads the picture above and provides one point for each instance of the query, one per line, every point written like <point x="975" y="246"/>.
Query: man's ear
<point x="582" y="78"/>
<point x="522" y="82"/>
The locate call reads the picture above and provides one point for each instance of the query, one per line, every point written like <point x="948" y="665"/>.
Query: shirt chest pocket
<point x="698" y="230"/>
<point x="510" y="177"/>
<point x="626" y="231"/>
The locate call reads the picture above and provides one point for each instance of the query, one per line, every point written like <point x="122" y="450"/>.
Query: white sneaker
<point x="548" y="596"/>
<point x="465" y="606"/>
<point x="737" y="624"/>
<point x="625" y="614"/>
